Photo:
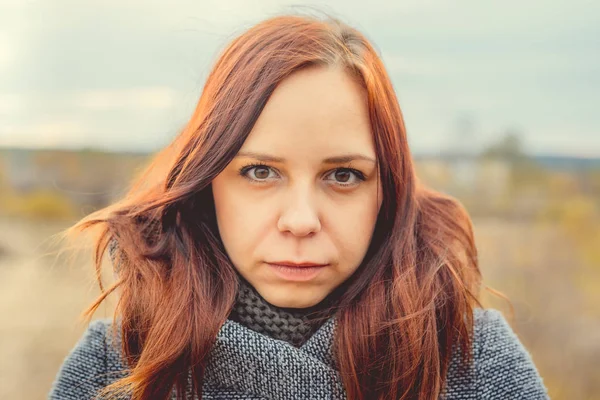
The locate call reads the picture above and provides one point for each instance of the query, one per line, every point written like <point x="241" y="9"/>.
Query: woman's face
<point x="315" y="195"/>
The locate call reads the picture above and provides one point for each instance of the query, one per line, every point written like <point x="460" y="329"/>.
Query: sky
<point x="125" y="75"/>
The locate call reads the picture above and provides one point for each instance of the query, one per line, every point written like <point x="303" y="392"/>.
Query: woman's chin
<point x="291" y="299"/>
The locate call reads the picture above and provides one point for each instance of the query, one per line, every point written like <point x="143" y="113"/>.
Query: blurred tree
<point x="463" y="140"/>
<point x="509" y="147"/>
<point x="528" y="179"/>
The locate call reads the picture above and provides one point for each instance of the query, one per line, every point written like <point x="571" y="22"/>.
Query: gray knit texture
<point x="294" y="326"/>
<point x="245" y="364"/>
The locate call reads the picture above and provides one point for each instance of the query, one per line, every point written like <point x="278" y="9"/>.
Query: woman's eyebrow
<point x="330" y="160"/>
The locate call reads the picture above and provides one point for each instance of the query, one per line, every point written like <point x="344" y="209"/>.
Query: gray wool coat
<point x="245" y="364"/>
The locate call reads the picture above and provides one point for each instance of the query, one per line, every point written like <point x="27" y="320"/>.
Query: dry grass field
<point x="41" y="302"/>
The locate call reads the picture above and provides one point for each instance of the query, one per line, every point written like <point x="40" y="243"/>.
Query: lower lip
<point x="297" y="273"/>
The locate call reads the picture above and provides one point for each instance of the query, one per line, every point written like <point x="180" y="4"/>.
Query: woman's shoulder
<point x="90" y="365"/>
<point x="493" y="336"/>
<point x="503" y="366"/>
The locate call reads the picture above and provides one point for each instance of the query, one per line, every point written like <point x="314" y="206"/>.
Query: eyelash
<point x="246" y="168"/>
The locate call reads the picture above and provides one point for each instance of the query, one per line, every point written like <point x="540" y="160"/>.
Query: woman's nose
<point x="299" y="213"/>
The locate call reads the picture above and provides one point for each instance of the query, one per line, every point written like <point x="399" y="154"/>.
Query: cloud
<point x="7" y="53"/>
<point x="147" y="98"/>
<point x="11" y="104"/>
<point x="139" y="100"/>
<point x="51" y="133"/>
<point x="506" y="63"/>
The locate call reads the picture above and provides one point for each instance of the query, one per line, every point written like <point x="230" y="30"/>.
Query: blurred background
<point x="500" y="101"/>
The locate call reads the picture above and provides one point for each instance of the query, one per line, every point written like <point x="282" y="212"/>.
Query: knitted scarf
<point x="292" y="325"/>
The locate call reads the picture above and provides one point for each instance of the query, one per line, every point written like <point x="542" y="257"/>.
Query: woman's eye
<point x="347" y="176"/>
<point x="259" y="172"/>
<point x="255" y="173"/>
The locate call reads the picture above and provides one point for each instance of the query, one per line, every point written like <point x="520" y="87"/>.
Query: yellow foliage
<point x="39" y="204"/>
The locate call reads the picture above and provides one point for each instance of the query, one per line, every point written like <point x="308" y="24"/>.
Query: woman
<point x="281" y="247"/>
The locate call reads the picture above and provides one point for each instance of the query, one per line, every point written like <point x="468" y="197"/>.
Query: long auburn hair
<point x="406" y="308"/>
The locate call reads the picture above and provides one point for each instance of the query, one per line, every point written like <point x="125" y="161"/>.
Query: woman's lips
<point x="298" y="264"/>
<point x="297" y="273"/>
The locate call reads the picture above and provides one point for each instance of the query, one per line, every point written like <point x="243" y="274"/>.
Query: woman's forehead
<point x="318" y="113"/>
<point x="319" y="97"/>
